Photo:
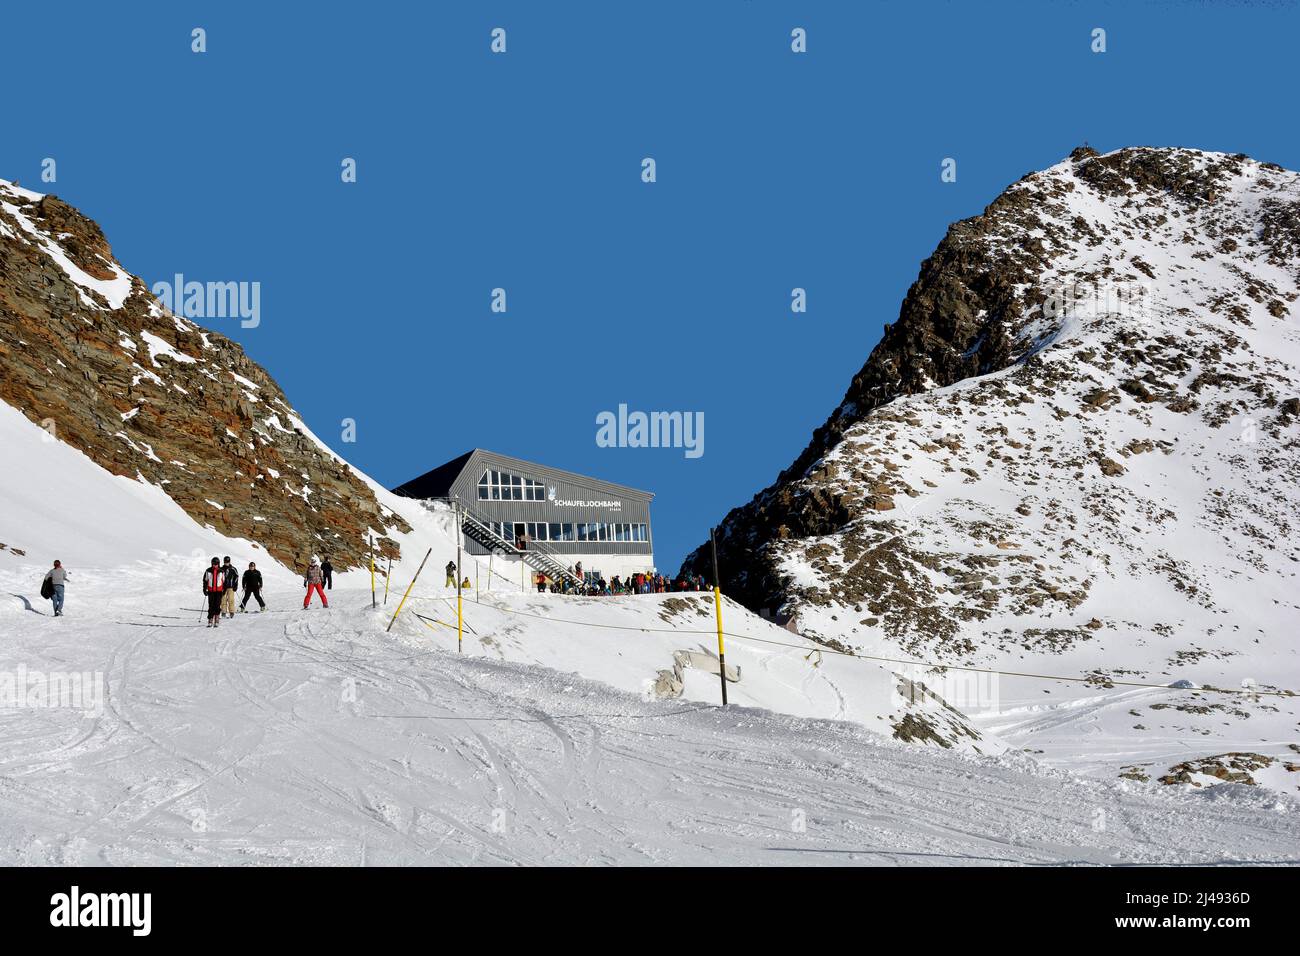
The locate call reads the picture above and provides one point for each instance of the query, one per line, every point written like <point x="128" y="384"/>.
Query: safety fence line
<point x="897" y="660"/>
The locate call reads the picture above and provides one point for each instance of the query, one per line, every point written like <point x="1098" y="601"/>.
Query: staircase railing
<point x="539" y="558"/>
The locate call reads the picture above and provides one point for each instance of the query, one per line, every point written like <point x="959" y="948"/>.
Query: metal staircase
<point x="539" y="559"/>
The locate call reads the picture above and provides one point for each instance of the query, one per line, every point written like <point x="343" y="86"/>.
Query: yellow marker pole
<point x="408" y="590"/>
<point x="717" y="610"/>
<point x="388" y="576"/>
<point x="373" y="602"/>
<point x="460" y="618"/>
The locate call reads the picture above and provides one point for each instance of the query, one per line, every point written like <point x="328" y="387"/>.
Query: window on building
<point x="502" y="486"/>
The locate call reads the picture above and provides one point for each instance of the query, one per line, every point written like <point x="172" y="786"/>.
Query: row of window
<point x="571" y="531"/>
<point x="500" y="486"/>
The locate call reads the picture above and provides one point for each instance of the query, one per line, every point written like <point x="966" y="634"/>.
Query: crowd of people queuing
<point x="648" y="582"/>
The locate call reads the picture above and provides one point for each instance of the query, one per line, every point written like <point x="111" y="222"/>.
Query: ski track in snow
<point x="243" y="745"/>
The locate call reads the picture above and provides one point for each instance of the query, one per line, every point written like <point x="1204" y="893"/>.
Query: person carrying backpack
<point x="451" y="574"/>
<point x="55" y="580"/>
<point x="252" y="588"/>
<point x="229" y="586"/>
<point x="214" y="583"/>
<point x="312" y="582"/>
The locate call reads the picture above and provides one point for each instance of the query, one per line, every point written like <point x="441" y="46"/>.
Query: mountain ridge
<point x="970" y="312"/>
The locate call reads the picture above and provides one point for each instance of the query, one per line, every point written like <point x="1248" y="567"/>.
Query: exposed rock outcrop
<point x="1097" y="318"/>
<point x="87" y="352"/>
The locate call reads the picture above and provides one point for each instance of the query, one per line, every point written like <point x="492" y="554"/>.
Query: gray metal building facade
<point x="572" y="516"/>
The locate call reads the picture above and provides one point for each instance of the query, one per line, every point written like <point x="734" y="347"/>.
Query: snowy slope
<point x="107" y="528"/>
<point x="315" y="737"/>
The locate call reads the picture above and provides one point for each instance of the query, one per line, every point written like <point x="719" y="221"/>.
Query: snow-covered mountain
<point x="1076" y="453"/>
<point x="88" y="353"/>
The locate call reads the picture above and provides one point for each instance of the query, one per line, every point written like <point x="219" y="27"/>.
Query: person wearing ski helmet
<point x="313" y="582"/>
<point x="214" y="583"/>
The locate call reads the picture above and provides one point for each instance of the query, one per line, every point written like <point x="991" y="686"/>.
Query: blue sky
<point x="523" y="171"/>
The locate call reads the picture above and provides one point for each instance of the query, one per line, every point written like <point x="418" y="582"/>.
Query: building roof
<point x="437" y="483"/>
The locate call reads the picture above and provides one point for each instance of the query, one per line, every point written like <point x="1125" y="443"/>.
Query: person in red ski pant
<point x="312" y="582"/>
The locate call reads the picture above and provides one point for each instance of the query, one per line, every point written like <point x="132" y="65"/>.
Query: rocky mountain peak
<point x="88" y="353"/>
<point x="1133" y="303"/>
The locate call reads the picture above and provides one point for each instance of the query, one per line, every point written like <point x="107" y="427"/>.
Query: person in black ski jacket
<point x="214" y="583"/>
<point x="252" y="588"/>
<point x="327" y="572"/>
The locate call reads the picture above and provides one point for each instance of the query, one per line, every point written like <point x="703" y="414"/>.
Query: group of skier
<point x="222" y="581"/>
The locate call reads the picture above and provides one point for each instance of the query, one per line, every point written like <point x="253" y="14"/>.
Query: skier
<point x="451" y="574"/>
<point x="327" y="571"/>
<point x="56" y="578"/>
<point x="214" y="582"/>
<point x="230" y="586"/>
<point x="312" y="582"/>
<point x="541" y="583"/>
<point x="252" y="588"/>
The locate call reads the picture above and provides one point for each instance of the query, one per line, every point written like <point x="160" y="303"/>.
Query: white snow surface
<point x="293" y="737"/>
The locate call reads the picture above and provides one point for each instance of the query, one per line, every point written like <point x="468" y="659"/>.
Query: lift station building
<point x="549" y="519"/>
